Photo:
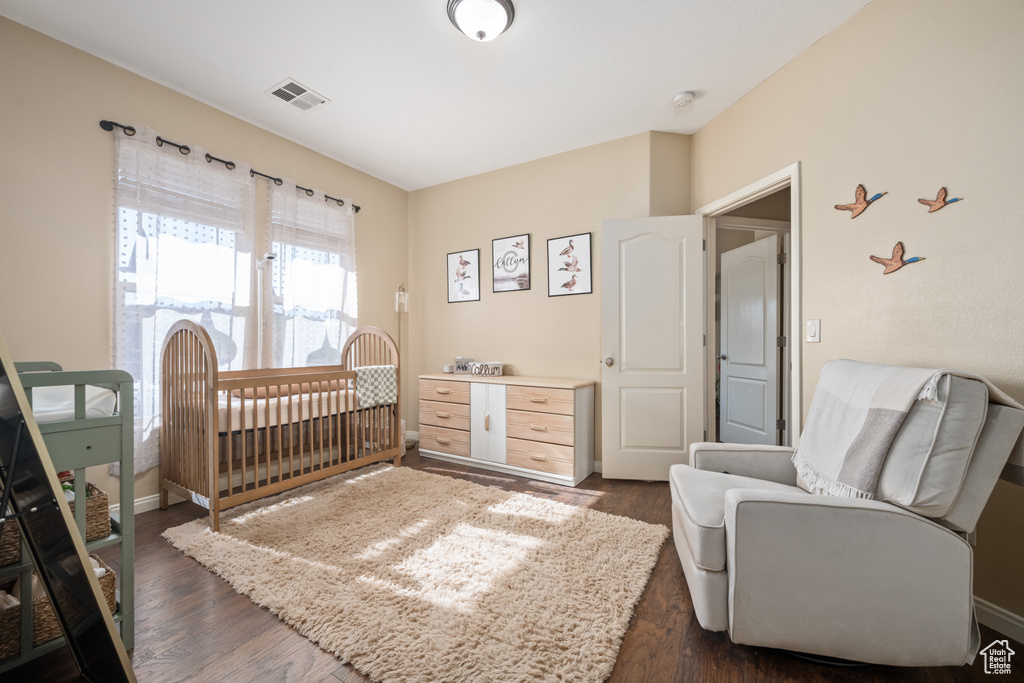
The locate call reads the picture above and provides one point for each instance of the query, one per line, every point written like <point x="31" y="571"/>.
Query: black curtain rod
<point x="230" y="165"/>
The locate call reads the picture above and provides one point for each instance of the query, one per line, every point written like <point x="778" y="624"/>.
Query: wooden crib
<point x="231" y="437"/>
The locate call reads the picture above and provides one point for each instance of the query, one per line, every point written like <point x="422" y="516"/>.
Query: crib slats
<point x="243" y="459"/>
<point x="291" y="434"/>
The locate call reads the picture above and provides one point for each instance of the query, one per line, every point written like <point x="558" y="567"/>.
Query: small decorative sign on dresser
<point x="463" y="366"/>
<point x="487" y="369"/>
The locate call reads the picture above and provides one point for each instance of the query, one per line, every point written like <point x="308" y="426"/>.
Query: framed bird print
<point x="464" y="276"/>
<point x="570" y="266"/>
<point x="510" y="257"/>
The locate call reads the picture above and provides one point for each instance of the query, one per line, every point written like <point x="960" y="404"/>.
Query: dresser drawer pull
<point x="442" y="390"/>
<point x="538" y="399"/>
<point x="443" y="416"/>
<point x="538" y="457"/>
<point x="442" y="439"/>
<point x="539" y="428"/>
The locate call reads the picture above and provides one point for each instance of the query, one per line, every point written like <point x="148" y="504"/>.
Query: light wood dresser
<point x="534" y="427"/>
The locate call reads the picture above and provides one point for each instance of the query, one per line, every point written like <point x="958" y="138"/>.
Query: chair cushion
<point x="1002" y="427"/>
<point x="700" y="497"/>
<point x="928" y="459"/>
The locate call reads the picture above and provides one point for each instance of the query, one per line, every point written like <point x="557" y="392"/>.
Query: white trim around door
<point x="786" y="177"/>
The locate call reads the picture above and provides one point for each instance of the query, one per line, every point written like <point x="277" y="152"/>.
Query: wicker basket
<point x="44" y="621"/>
<point x="10" y="544"/>
<point x="97" y="514"/>
<point x="97" y="525"/>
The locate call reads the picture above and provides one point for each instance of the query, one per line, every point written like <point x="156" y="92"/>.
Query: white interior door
<point x="652" y="337"/>
<point x="487" y="429"/>
<point x="749" y="352"/>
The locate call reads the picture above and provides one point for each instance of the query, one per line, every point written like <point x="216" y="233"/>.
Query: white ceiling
<point x="416" y="103"/>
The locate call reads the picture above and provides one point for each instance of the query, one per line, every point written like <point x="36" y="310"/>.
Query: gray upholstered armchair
<point x="882" y="576"/>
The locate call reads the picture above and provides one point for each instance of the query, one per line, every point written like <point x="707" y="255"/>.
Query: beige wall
<point x="906" y="97"/>
<point x="565" y="194"/>
<point x="56" y="221"/>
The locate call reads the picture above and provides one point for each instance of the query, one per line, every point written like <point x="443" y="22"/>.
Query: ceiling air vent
<point x="297" y="95"/>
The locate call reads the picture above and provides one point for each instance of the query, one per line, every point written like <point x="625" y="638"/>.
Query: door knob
<point x="609" y="361"/>
<point x="723" y="357"/>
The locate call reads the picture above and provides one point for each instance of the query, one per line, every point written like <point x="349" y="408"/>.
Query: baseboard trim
<point x="597" y="466"/>
<point x="412" y="436"/>
<point x="147" y="503"/>
<point x="999" y="619"/>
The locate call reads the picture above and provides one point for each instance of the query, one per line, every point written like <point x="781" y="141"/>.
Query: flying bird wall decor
<point x="939" y="201"/>
<point x="861" y="202"/>
<point x="897" y="261"/>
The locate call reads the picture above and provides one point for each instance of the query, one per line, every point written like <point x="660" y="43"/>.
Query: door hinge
<point x="705" y="340"/>
<point x="780" y="424"/>
<point x="705" y="435"/>
<point x="704" y="246"/>
<point x="780" y="341"/>
<point x="782" y="258"/>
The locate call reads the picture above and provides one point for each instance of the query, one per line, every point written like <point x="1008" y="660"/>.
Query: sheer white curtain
<point x="311" y="304"/>
<point x="184" y="249"/>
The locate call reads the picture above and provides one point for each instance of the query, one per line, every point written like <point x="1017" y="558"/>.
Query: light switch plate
<point x="813" y="331"/>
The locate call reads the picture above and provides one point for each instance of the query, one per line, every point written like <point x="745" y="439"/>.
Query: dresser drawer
<point x="451" y="415"/>
<point x="544" y="457"/>
<point x="542" y="400"/>
<point x="444" y="390"/>
<point x="541" y="427"/>
<point x="453" y="441"/>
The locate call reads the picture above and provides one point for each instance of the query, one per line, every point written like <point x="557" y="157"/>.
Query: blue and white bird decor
<point x="939" y="201"/>
<point x="860" y="203"/>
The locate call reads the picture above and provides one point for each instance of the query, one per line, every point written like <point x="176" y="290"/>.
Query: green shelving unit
<point x="76" y="445"/>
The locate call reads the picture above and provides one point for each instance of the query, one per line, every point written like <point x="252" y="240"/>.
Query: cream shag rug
<point x="411" y="576"/>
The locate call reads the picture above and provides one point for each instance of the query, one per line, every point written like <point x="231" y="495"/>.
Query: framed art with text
<point x="510" y="258"/>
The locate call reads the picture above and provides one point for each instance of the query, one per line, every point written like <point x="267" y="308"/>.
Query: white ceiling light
<point x="481" y="20"/>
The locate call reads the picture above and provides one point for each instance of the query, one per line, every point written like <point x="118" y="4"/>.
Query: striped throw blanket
<point x="855" y="414"/>
<point x="376" y="385"/>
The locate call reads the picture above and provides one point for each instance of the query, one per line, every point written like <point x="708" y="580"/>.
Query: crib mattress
<point x="57" y="404"/>
<point x="303" y="407"/>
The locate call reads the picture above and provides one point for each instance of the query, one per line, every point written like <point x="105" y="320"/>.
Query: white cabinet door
<point x="487" y="422"/>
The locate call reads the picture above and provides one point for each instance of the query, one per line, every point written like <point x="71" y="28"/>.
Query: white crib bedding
<point x="303" y="407"/>
<point x="57" y="404"/>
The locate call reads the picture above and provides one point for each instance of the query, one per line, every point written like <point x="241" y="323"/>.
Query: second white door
<point x="749" y="346"/>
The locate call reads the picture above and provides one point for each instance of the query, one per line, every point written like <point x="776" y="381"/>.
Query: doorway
<point x="751" y="313"/>
<point x="659" y="371"/>
<point x="756" y="211"/>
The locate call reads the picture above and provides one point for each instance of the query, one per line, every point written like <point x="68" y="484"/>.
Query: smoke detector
<point x="298" y="95"/>
<point x="684" y="99"/>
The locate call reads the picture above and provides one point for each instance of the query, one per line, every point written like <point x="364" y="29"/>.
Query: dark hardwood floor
<point x="191" y="626"/>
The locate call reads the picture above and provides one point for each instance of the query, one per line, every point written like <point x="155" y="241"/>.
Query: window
<point x="312" y="299"/>
<point x="184" y="249"/>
